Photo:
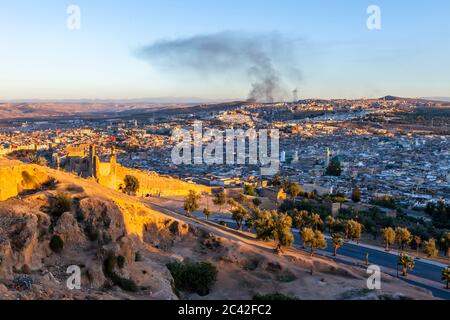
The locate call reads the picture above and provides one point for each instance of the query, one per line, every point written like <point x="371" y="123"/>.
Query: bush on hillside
<point x="60" y="204"/>
<point x="193" y="277"/>
<point x="273" y="297"/>
<point x="57" y="244"/>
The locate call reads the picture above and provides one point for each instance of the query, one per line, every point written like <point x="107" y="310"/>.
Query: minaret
<point x="327" y="157"/>
<point x="283" y="157"/>
<point x="92" y="160"/>
<point x="113" y="161"/>
<point x="96" y="165"/>
<point x="57" y="162"/>
<point x="295" y="158"/>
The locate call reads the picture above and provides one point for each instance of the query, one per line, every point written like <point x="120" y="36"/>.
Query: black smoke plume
<point x="266" y="59"/>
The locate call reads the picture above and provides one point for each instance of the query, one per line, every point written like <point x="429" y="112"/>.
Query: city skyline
<point x="336" y="55"/>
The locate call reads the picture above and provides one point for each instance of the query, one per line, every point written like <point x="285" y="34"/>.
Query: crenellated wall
<point x="151" y="183"/>
<point x="16" y="177"/>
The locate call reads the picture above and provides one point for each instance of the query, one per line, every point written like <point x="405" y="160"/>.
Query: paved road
<point x="383" y="260"/>
<point x="389" y="261"/>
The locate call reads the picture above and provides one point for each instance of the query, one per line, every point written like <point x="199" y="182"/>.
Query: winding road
<point x="425" y="274"/>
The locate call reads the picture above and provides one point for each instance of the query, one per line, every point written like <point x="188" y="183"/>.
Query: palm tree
<point x="276" y="181"/>
<point x="316" y="221"/>
<point x="330" y="221"/>
<point x="353" y="230"/>
<point x="446" y="276"/>
<point x="406" y="262"/>
<point x="403" y="237"/>
<point x="418" y="241"/>
<point x="388" y="236"/>
<point x="307" y="235"/>
<point x="239" y="214"/>
<point x="191" y="202"/>
<point x="356" y="195"/>
<point x="220" y="199"/>
<point x="207" y="213"/>
<point x="430" y="248"/>
<point x="301" y="219"/>
<point x="294" y="190"/>
<point x="318" y="241"/>
<point x="337" y="242"/>
<point x="282" y="231"/>
<point x="275" y="226"/>
<point x="446" y="243"/>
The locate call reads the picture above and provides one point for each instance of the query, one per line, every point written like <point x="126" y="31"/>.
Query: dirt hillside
<point x="122" y="246"/>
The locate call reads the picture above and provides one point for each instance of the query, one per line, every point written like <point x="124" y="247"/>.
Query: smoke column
<point x="265" y="58"/>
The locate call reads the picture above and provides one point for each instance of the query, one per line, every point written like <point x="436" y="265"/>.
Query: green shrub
<point x="56" y="244"/>
<point x="249" y="190"/>
<point x="251" y="265"/>
<point x="193" y="277"/>
<point x="92" y="233"/>
<point x="121" y="262"/>
<point x="40" y="161"/>
<point x="109" y="265"/>
<point x="385" y="202"/>
<point x="334" y="168"/>
<point x="257" y="202"/>
<point x="131" y="184"/>
<point x="273" y="297"/>
<point x="138" y="257"/>
<point x="80" y="216"/>
<point x="123" y="283"/>
<point x="286" y="277"/>
<point x="60" y="204"/>
<point x="28" y="178"/>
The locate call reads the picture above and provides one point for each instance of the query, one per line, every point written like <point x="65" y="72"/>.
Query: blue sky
<point x="338" y="56"/>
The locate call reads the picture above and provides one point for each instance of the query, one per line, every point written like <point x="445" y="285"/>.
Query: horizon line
<point x="193" y="99"/>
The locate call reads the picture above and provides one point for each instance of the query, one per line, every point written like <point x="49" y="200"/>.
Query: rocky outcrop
<point x="69" y="230"/>
<point x="6" y="259"/>
<point x="96" y="276"/>
<point x="94" y="230"/>
<point x="22" y="233"/>
<point x="102" y="220"/>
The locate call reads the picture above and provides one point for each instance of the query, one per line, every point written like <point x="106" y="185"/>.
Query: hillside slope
<point x="102" y="224"/>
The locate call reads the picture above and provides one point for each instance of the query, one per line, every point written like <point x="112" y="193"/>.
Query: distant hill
<point x="49" y="110"/>
<point x="446" y="99"/>
<point x="389" y="98"/>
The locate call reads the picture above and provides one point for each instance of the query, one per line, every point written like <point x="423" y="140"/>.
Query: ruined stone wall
<point x="104" y="169"/>
<point x="16" y="177"/>
<point x="156" y="185"/>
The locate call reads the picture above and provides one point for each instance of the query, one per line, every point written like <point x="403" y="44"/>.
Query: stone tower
<point x="113" y="161"/>
<point x="57" y="162"/>
<point x="94" y="162"/>
<point x="327" y="158"/>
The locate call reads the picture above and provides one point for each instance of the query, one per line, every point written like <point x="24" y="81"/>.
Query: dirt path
<point x="220" y="231"/>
